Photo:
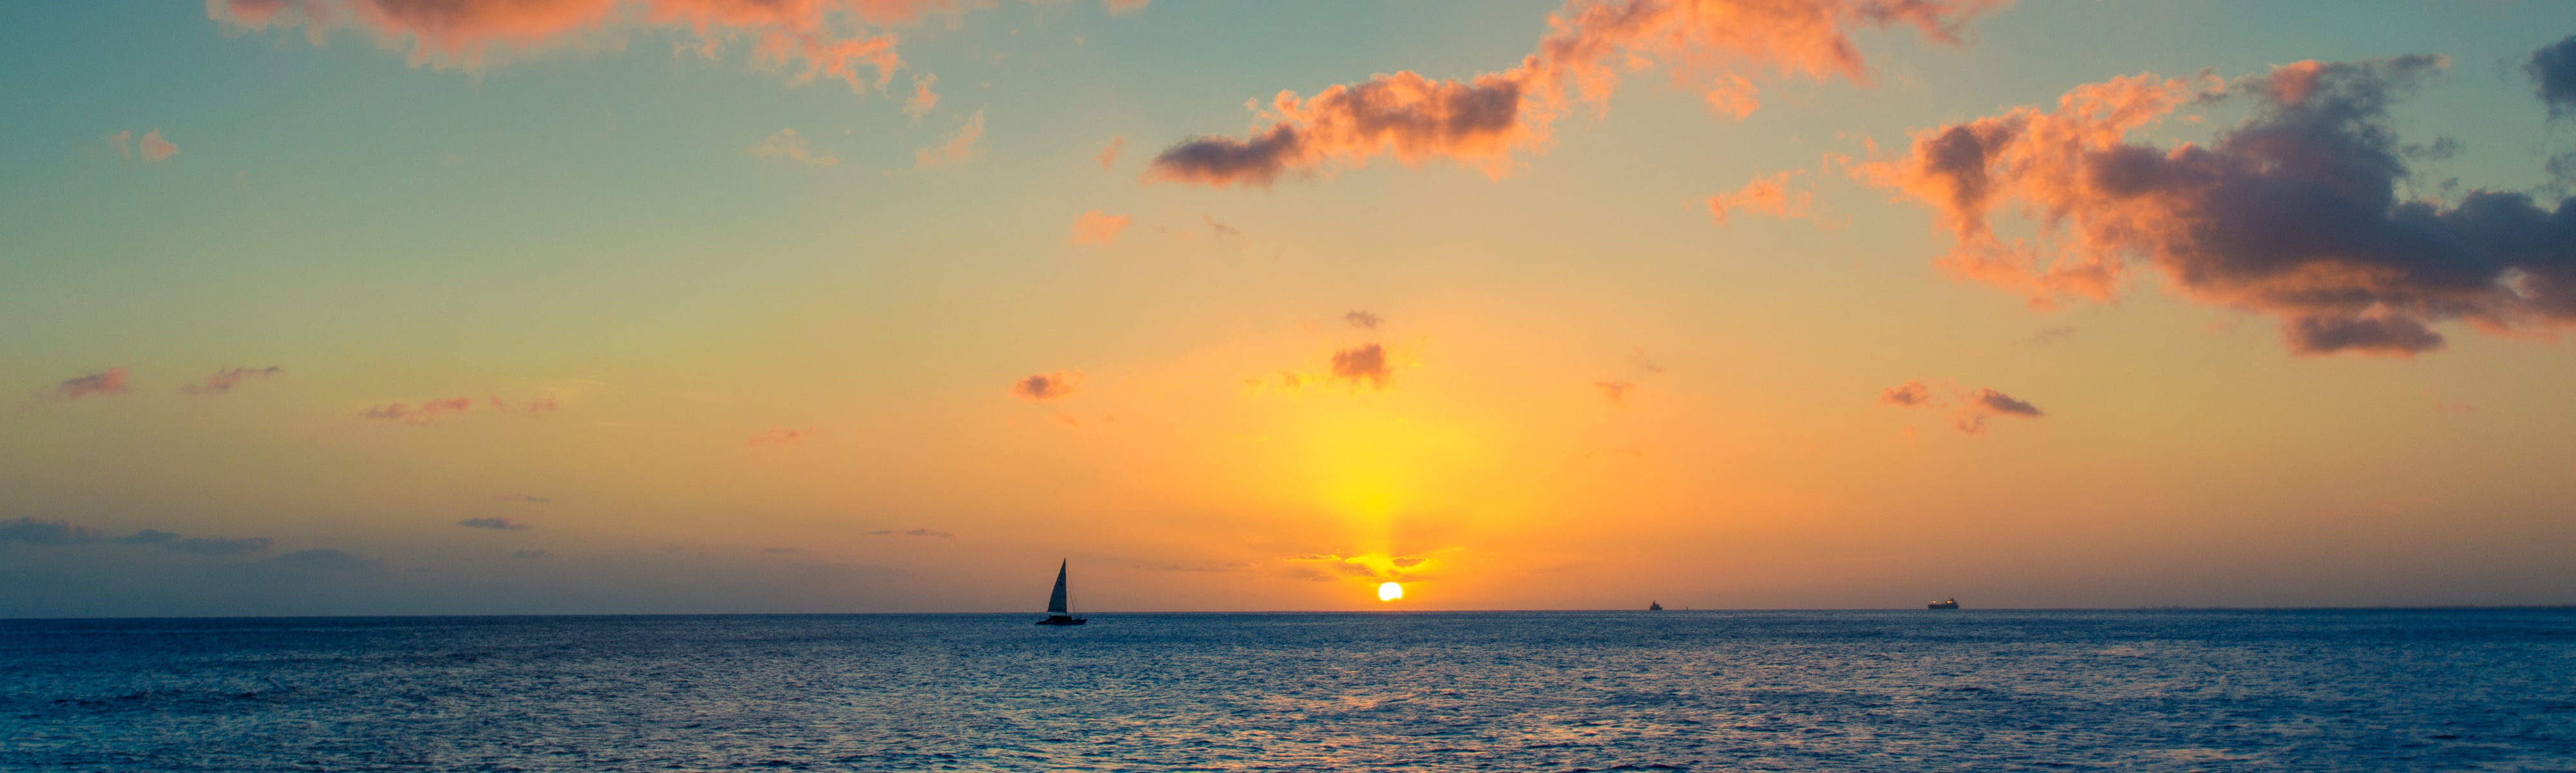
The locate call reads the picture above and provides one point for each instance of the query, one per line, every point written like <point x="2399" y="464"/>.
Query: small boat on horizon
<point x="1948" y="603"/>
<point x="1059" y="612"/>
<point x="1654" y="606"/>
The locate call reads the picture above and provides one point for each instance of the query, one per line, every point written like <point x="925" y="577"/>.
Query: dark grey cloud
<point x="1906" y="395"/>
<point x="503" y="524"/>
<point x="912" y="533"/>
<point x="1363" y="319"/>
<point x="2553" y="73"/>
<point x="528" y="498"/>
<point x="103" y="382"/>
<point x="1999" y="402"/>
<point x="35" y="532"/>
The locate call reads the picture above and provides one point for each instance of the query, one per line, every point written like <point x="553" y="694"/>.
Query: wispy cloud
<point x="58" y="532"/>
<point x="1906" y="395"/>
<point x="153" y="148"/>
<point x="528" y="498"/>
<point x="1615" y="392"/>
<point x="1717" y="48"/>
<point x="782" y="436"/>
<point x="789" y="145"/>
<point x="499" y="524"/>
<point x="834" y="40"/>
<point x="424" y="412"/>
<point x="1363" y="319"/>
<point x="912" y="533"/>
<point x="1093" y="227"/>
<point x="957" y="150"/>
<point x="1766" y="194"/>
<point x="103" y="382"/>
<point x="223" y="380"/>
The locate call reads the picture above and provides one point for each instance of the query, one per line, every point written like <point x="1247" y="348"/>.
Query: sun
<point x="1390" y="592"/>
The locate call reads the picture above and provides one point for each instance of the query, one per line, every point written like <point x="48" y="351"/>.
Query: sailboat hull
<point x="1062" y="620"/>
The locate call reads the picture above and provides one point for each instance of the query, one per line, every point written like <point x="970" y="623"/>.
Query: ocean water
<point x="1910" y="690"/>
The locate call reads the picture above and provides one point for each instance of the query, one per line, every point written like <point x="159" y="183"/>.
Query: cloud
<point x="831" y="38"/>
<point x="105" y="382"/>
<point x="542" y="405"/>
<point x="1108" y="157"/>
<point x="2293" y="213"/>
<point x="153" y="148"/>
<point x="223" y="380"/>
<point x="1366" y="363"/>
<point x="1615" y="391"/>
<point x="781" y="436"/>
<point x="123" y="142"/>
<point x="1638" y="358"/>
<point x="1906" y="395"/>
<point x="1220" y="232"/>
<point x="1117" y="7"/>
<point x="911" y="533"/>
<point x="787" y="144"/>
<point x="1046" y="387"/>
<point x="923" y="99"/>
<point x="2054" y="335"/>
<point x="782" y="550"/>
<point x="1716" y="48"/>
<point x="1363" y="319"/>
<point x="529" y="498"/>
<point x="35" y="532"/>
<point x="1096" y="228"/>
<point x="959" y="149"/>
<point x="1766" y="194"/>
<point x="426" y="412"/>
<point x="2553" y="71"/>
<point x="501" y="524"/>
<point x="1998" y="402"/>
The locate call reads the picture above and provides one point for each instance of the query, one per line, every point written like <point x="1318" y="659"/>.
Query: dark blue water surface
<point x="1912" y="690"/>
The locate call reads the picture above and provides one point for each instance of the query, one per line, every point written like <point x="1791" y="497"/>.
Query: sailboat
<point x="1058" y="612"/>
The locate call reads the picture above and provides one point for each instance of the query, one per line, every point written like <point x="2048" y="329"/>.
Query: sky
<point x="712" y="306"/>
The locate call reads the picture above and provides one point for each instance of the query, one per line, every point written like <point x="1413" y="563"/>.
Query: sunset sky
<point x="601" y="306"/>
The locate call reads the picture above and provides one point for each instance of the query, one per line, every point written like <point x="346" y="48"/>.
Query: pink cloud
<point x="1117" y="7"/>
<point x="923" y="99"/>
<point x="1096" y="228"/>
<point x="1906" y="395"/>
<point x="541" y="406"/>
<point x="105" y="382"/>
<point x="958" y="150"/>
<point x="1715" y="48"/>
<point x="153" y="148"/>
<point x="1616" y="392"/>
<point x="425" y="412"/>
<point x="1766" y="194"/>
<point x="123" y="142"/>
<point x="1047" y="387"/>
<point x="1108" y="157"/>
<point x="789" y="145"/>
<point x="223" y="380"/>
<point x="833" y="39"/>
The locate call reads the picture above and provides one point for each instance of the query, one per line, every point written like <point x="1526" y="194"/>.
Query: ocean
<point x="1912" y="690"/>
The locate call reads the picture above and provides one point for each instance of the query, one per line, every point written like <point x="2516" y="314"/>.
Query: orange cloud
<point x="1096" y="228"/>
<point x="2295" y="212"/>
<point x="1767" y="194"/>
<point x="1124" y="6"/>
<point x="1046" y="387"/>
<point x="1366" y="363"/>
<point x="957" y="150"/>
<point x="1908" y="394"/>
<point x="831" y="38"/>
<point x="923" y="99"/>
<point x="223" y="380"/>
<point x="106" y="382"/>
<point x="781" y="436"/>
<point x="1615" y="391"/>
<point x="1713" y="47"/>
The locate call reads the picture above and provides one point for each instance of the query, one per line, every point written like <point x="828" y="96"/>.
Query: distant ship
<point x="1948" y="603"/>
<point x="1057" y="611"/>
<point x="1654" y="606"/>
